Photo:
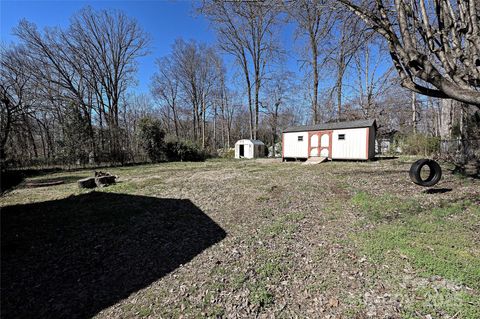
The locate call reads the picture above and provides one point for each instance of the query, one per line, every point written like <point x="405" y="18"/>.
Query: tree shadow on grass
<point x="437" y="190"/>
<point x="384" y="158"/>
<point x="374" y="172"/>
<point x="39" y="182"/>
<point x="73" y="257"/>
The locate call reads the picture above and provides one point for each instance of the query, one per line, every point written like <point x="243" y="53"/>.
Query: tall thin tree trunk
<point x="414" y="112"/>
<point x="175" y="120"/>
<point x="30" y="136"/>
<point x="203" y="120"/>
<point x="4" y="140"/>
<point x="339" y="93"/>
<point x="315" y="79"/>
<point x="250" y="108"/>
<point x="215" y="126"/>
<point x="257" y="110"/>
<point x="195" y="116"/>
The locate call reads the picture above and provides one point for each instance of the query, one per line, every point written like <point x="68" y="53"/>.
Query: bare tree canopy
<point x="314" y="21"/>
<point x="434" y="45"/>
<point x="16" y="91"/>
<point x="88" y="66"/>
<point x="246" y="31"/>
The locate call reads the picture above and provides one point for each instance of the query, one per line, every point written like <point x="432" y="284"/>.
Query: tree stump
<point x="88" y="182"/>
<point x="102" y="181"/>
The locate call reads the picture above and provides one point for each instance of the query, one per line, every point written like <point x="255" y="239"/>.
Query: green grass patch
<point x="284" y="226"/>
<point x="333" y="209"/>
<point x="270" y="269"/>
<point x="441" y="302"/>
<point x="260" y="295"/>
<point x="384" y="207"/>
<point x="432" y="242"/>
<point x="451" y="209"/>
<point x="238" y="280"/>
<point x="144" y="312"/>
<point x="262" y="198"/>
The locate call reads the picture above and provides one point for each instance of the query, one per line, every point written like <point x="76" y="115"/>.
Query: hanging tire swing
<point x="433" y="177"/>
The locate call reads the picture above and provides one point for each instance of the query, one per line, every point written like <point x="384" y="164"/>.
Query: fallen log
<point x="88" y="182"/>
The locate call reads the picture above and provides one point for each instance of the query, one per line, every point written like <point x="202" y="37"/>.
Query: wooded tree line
<point x="67" y="95"/>
<point x="63" y="91"/>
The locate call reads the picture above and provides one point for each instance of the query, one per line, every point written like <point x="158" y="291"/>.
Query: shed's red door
<point x="320" y="144"/>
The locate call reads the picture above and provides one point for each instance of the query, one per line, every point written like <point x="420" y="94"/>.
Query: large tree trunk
<point x="458" y="121"/>
<point x="446" y="119"/>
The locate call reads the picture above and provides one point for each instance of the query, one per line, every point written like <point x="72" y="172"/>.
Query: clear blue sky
<point x="165" y="21"/>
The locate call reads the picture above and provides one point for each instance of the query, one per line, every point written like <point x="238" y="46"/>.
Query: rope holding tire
<point x="434" y="176"/>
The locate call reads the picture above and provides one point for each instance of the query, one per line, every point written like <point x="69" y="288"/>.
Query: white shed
<point x="353" y="140"/>
<point x="249" y="149"/>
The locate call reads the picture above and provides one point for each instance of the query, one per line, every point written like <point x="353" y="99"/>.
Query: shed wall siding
<point x="353" y="147"/>
<point x="247" y="150"/>
<point x="292" y="147"/>
<point x="250" y="149"/>
<point x="371" y="148"/>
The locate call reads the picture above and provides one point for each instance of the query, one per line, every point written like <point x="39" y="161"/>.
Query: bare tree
<point x="314" y="21"/>
<point x="16" y="92"/>
<point x="92" y="61"/>
<point x="185" y="58"/>
<point x="196" y="70"/>
<point x="135" y="107"/>
<point x="109" y="44"/>
<point x="353" y="35"/>
<point x="210" y="72"/>
<point x="246" y="30"/>
<point x="434" y="45"/>
<point x="165" y="88"/>
<point x="83" y="69"/>
<point x="372" y="84"/>
<point x="62" y="78"/>
<point x="278" y="96"/>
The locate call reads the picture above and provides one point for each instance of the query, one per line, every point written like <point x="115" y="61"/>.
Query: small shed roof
<point x="255" y="142"/>
<point x="331" y="126"/>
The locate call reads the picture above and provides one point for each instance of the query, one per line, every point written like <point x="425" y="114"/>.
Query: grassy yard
<point x="244" y="239"/>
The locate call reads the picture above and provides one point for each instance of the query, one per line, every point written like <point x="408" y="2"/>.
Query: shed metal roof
<point x="246" y="140"/>
<point x="331" y="126"/>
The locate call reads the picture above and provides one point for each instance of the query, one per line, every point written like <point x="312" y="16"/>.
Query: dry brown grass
<point x="299" y="241"/>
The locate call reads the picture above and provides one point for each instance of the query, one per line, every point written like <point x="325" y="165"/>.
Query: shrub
<point x="184" y="151"/>
<point x="152" y="138"/>
<point x="419" y="144"/>
<point x="226" y="153"/>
